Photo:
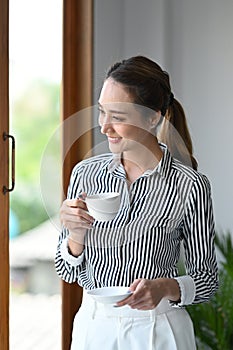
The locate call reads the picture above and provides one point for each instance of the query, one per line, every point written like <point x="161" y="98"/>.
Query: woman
<point x="164" y="201"/>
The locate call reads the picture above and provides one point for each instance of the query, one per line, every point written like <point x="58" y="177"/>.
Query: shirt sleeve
<point x="67" y="266"/>
<point x="187" y="290"/>
<point x="65" y="254"/>
<point x="200" y="257"/>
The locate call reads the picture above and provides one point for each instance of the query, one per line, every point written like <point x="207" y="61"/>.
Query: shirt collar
<point x="162" y="168"/>
<point x="115" y="162"/>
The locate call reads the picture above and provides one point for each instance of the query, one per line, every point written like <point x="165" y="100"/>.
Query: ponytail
<point x="175" y="134"/>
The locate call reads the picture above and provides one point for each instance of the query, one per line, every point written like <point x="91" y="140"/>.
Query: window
<point x="35" y="76"/>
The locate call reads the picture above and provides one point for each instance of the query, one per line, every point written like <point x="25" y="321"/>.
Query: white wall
<point x="206" y="92"/>
<point x="108" y="48"/>
<point x="192" y="40"/>
<point x="108" y="34"/>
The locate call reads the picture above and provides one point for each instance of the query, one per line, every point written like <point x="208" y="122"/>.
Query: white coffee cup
<point x="103" y="206"/>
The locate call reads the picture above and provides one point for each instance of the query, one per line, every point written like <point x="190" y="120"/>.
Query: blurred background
<point x="192" y="40"/>
<point x="35" y="76"/>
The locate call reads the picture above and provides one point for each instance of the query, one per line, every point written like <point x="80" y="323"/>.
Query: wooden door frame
<point x="4" y="173"/>
<point x="76" y="95"/>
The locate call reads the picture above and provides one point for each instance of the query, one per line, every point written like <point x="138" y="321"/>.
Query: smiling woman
<point x="163" y="202"/>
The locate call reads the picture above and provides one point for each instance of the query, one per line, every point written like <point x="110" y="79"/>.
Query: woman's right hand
<point x="74" y="216"/>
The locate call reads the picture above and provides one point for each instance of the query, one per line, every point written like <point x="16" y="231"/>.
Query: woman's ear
<point x="155" y="119"/>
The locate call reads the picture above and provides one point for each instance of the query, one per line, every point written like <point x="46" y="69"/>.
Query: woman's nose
<point x="106" y="125"/>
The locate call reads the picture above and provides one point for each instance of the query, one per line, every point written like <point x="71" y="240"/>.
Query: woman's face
<point x="121" y="121"/>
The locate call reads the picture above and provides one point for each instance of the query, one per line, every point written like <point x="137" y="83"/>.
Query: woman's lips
<point x="114" y="139"/>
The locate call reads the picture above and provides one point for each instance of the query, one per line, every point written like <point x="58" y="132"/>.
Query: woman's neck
<point x="136" y="163"/>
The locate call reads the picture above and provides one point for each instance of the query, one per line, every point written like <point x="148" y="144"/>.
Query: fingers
<point x="73" y="224"/>
<point x="74" y="215"/>
<point x="82" y="196"/>
<point x="134" y="285"/>
<point x="129" y="299"/>
<point x="75" y="212"/>
<point x="75" y="203"/>
<point x="140" y="303"/>
<point x="135" y="303"/>
<point x="144" y="296"/>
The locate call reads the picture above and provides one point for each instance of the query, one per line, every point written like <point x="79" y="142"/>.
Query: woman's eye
<point x="101" y="116"/>
<point x="101" y="111"/>
<point x="117" y="119"/>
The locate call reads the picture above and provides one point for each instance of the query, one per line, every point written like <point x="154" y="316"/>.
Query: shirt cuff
<point x="187" y="290"/>
<point x="72" y="260"/>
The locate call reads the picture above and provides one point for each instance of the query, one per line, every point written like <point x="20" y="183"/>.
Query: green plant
<point x="213" y="321"/>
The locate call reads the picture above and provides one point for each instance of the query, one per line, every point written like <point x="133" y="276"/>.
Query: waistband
<point x="108" y="310"/>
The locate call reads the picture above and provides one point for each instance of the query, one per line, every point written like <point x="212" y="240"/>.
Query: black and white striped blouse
<point x="162" y="208"/>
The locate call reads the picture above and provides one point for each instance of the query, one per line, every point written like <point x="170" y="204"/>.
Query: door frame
<point x="77" y="78"/>
<point x="4" y="174"/>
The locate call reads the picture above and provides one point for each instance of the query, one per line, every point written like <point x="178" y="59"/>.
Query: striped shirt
<point x="162" y="208"/>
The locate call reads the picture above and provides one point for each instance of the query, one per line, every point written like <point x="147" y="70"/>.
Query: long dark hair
<point x="149" y="86"/>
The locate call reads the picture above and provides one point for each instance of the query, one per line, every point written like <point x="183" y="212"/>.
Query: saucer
<point x="109" y="295"/>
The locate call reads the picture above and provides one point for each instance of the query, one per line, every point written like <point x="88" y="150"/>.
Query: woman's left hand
<point x="147" y="294"/>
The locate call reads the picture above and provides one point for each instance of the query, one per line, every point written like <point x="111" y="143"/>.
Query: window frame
<point x="77" y="94"/>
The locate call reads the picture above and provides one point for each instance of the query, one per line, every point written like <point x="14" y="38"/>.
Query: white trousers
<point x="104" y="327"/>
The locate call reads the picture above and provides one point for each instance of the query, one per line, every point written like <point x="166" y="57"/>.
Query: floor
<point x="35" y="322"/>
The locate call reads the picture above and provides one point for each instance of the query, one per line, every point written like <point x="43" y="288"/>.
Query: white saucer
<point x="109" y="295"/>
